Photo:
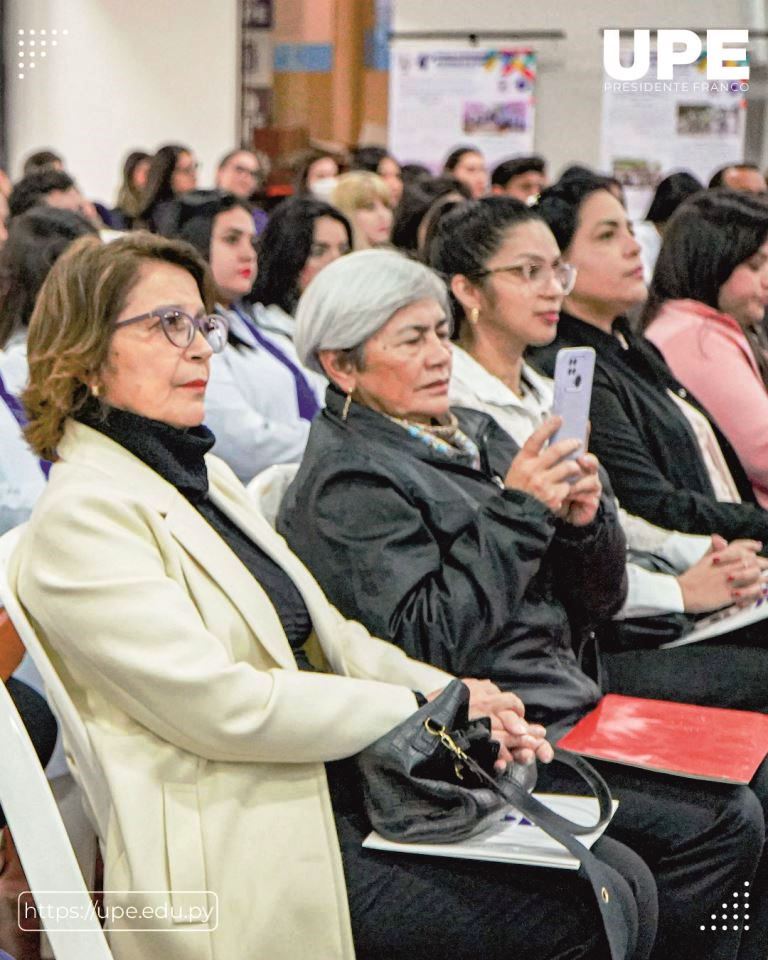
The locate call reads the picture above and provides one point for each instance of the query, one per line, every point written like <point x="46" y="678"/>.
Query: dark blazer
<point x="645" y="442"/>
<point x="438" y="558"/>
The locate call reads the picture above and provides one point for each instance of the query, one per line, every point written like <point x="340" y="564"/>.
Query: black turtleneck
<point x="179" y="457"/>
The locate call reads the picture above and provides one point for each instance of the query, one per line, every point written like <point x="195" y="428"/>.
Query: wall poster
<point x="442" y="96"/>
<point x="651" y="128"/>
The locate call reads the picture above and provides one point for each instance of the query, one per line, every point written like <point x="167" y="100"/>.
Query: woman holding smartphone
<point x="508" y="281"/>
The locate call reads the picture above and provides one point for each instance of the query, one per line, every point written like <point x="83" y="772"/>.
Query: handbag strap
<point x="513" y="793"/>
<point x="620" y="931"/>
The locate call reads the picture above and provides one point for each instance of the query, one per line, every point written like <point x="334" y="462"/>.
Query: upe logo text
<point x="674" y="48"/>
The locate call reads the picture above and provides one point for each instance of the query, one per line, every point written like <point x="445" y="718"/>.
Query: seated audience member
<point x="467" y="165"/>
<point x="578" y="172"/>
<point x="739" y="176"/>
<point x="241" y="172"/>
<point x="36" y="240"/>
<point x="21" y="476"/>
<point x="5" y="192"/>
<point x="521" y="177"/>
<point x="302" y="237"/>
<point x="508" y="280"/>
<point x="54" y="188"/>
<point x="4" y="216"/>
<point x="317" y="173"/>
<point x="414" y="174"/>
<point x="191" y="658"/>
<point x="417" y="201"/>
<point x="670" y="193"/>
<point x="42" y="160"/>
<point x="415" y="522"/>
<point x="172" y="172"/>
<point x="42" y="728"/>
<point x="130" y="197"/>
<point x="439" y="209"/>
<point x="259" y="403"/>
<point x="666" y="458"/>
<point x="705" y="312"/>
<point x="364" y="199"/>
<point x="380" y="161"/>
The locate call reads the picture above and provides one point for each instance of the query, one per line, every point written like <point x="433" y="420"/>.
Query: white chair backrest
<point x="78" y="750"/>
<point x="61" y="900"/>
<point x="267" y="488"/>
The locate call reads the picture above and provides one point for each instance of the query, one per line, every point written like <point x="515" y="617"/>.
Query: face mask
<point x="324" y="187"/>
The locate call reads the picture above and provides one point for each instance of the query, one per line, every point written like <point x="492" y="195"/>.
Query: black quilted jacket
<point x="437" y="558"/>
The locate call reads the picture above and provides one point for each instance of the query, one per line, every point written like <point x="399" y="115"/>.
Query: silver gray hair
<point x="353" y="298"/>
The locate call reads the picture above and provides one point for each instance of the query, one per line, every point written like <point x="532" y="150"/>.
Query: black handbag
<point x="432" y="779"/>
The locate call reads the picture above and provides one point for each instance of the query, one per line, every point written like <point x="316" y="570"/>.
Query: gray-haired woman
<point x="430" y="526"/>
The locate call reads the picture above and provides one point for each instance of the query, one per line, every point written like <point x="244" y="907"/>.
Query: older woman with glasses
<point x="429" y="525"/>
<point x="221" y="692"/>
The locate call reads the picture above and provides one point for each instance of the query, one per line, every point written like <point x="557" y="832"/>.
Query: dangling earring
<point x="95" y="390"/>
<point x="347" y="405"/>
<point x="474" y="316"/>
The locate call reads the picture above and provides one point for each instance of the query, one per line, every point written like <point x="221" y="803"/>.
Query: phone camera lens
<point x="577" y="380"/>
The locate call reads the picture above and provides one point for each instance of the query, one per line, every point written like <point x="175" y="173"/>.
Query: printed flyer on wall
<point x="652" y="127"/>
<point x="442" y="96"/>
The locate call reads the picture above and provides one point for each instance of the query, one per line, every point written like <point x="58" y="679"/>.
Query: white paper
<point x="723" y="621"/>
<point x="511" y="838"/>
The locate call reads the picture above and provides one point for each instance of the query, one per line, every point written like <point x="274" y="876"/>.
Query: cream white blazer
<point x="209" y="742"/>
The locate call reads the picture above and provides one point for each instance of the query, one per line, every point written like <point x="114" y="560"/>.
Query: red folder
<point x="708" y="743"/>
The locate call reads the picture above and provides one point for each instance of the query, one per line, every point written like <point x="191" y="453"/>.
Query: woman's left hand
<point x="581" y="504"/>
<point x="519" y="741"/>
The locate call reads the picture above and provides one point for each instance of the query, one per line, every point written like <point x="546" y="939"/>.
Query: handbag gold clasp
<point x="448" y="742"/>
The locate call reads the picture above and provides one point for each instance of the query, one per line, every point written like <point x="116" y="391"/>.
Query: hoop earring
<point x="347" y="405"/>
<point x="474" y="316"/>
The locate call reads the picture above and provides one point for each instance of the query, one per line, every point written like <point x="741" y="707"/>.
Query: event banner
<point x="442" y="96"/>
<point x="653" y="127"/>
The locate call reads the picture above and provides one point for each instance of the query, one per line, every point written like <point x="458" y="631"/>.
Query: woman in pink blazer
<point x="705" y="312"/>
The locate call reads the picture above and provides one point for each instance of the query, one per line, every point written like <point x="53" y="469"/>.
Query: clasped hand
<point x="570" y="488"/>
<point x="519" y="741"/>
<point x="727" y="573"/>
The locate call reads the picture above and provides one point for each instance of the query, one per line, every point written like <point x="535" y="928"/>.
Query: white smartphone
<point x="574" y="369"/>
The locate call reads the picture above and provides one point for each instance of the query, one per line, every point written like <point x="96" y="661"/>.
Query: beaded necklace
<point x="446" y="439"/>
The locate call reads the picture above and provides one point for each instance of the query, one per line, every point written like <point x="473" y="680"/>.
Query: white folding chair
<point x="267" y="488"/>
<point x="62" y="903"/>
<point x="44" y="848"/>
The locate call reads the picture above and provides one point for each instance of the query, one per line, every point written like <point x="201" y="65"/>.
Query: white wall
<point x="131" y="74"/>
<point x="570" y="72"/>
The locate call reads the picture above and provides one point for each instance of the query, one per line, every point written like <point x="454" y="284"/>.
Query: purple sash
<point x="17" y="410"/>
<point x="308" y="405"/>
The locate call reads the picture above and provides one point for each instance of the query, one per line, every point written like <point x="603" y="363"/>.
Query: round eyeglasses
<point x="180" y="328"/>
<point x="538" y="275"/>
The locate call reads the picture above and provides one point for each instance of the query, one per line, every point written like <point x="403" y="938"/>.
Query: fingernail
<point x="736" y="593"/>
<point x="715" y="560"/>
<point x="730" y="578"/>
